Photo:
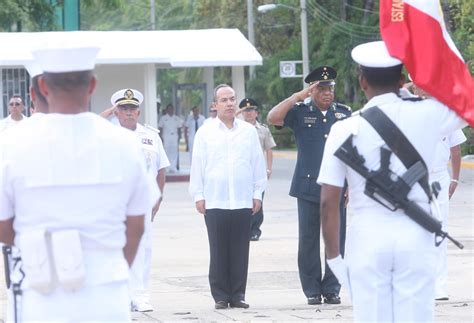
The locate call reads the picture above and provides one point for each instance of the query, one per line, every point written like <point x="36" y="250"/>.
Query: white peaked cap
<point x="374" y="54"/>
<point x="127" y="96"/>
<point x="63" y="60"/>
<point x="33" y="68"/>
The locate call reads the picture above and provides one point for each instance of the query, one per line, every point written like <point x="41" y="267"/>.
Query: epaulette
<point x="151" y="128"/>
<point x="348" y="108"/>
<point x="414" y="98"/>
<point x="300" y="104"/>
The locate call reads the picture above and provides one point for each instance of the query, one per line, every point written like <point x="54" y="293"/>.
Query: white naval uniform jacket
<point x="155" y="156"/>
<point x="438" y="121"/>
<point x="77" y="172"/>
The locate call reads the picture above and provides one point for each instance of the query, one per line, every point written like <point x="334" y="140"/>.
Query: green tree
<point x="27" y="15"/>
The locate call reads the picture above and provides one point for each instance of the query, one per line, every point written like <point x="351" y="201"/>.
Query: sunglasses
<point x="211" y="111"/>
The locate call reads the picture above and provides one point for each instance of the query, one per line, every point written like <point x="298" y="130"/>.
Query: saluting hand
<point x="304" y="93"/>
<point x="108" y="112"/>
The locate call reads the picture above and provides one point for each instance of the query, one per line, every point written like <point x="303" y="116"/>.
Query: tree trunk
<point x="369" y="5"/>
<point x="344" y="9"/>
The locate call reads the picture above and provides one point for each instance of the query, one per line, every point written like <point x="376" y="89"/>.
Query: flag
<point x="414" y="32"/>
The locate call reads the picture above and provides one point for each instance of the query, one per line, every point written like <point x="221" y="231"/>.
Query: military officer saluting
<point x="127" y="110"/>
<point x="310" y="113"/>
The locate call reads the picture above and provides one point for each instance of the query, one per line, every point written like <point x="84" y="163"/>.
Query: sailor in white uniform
<point x="170" y="126"/>
<point x="194" y="121"/>
<point x="77" y="211"/>
<point x="16" y="107"/>
<point x="448" y="148"/>
<point x="127" y="110"/>
<point x="390" y="258"/>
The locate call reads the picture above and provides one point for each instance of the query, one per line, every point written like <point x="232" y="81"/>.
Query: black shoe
<point x="220" y="305"/>
<point x="332" y="299"/>
<point x="316" y="300"/>
<point x="254" y="237"/>
<point x="239" y="304"/>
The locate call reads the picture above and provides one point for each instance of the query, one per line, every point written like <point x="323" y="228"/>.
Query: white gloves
<point x="340" y="270"/>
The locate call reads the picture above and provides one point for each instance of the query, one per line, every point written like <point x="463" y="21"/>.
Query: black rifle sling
<point x="397" y="142"/>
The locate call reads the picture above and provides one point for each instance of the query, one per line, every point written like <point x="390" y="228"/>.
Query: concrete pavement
<point x="180" y="288"/>
<point x="179" y="283"/>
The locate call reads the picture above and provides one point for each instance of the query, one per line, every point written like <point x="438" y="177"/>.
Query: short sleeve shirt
<point x="265" y="136"/>
<point x="438" y="121"/>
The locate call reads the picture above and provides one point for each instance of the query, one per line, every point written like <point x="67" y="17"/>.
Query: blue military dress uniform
<point x="311" y="128"/>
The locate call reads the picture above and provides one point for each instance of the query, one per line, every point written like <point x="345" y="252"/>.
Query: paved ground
<point x="180" y="289"/>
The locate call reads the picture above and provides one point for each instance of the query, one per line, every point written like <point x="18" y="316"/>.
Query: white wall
<point x="112" y="78"/>
<point x="238" y="82"/>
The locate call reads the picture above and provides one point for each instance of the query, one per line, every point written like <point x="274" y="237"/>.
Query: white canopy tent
<point x="130" y="58"/>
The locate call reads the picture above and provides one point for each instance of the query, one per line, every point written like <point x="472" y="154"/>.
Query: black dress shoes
<point x="316" y="300"/>
<point x="220" y="305"/>
<point x="239" y="304"/>
<point x="254" y="237"/>
<point x="332" y="299"/>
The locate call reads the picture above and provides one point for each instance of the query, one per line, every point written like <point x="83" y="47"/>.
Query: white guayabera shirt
<point x="228" y="168"/>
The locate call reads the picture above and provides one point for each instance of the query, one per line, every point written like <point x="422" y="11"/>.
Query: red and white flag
<point x="415" y="33"/>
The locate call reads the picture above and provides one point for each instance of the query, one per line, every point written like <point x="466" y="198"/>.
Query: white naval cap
<point x="127" y="96"/>
<point x="374" y="54"/>
<point x="66" y="59"/>
<point x="33" y="68"/>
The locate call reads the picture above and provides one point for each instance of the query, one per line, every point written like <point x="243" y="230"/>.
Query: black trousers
<point x="256" y="221"/>
<point x="309" y="260"/>
<point x="228" y="232"/>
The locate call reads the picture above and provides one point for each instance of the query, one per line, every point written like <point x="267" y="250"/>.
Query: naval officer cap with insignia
<point x="127" y="107"/>
<point x="127" y="97"/>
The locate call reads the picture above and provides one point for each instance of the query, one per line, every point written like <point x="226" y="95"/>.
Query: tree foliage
<point x="334" y="26"/>
<point x="27" y="15"/>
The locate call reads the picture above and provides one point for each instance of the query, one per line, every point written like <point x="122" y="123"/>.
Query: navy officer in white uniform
<point x="170" y="131"/>
<point x="127" y="110"/>
<point x="77" y="212"/>
<point x="391" y="260"/>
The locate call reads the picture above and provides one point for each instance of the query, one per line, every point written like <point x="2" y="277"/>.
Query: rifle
<point x="391" y="190"/>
